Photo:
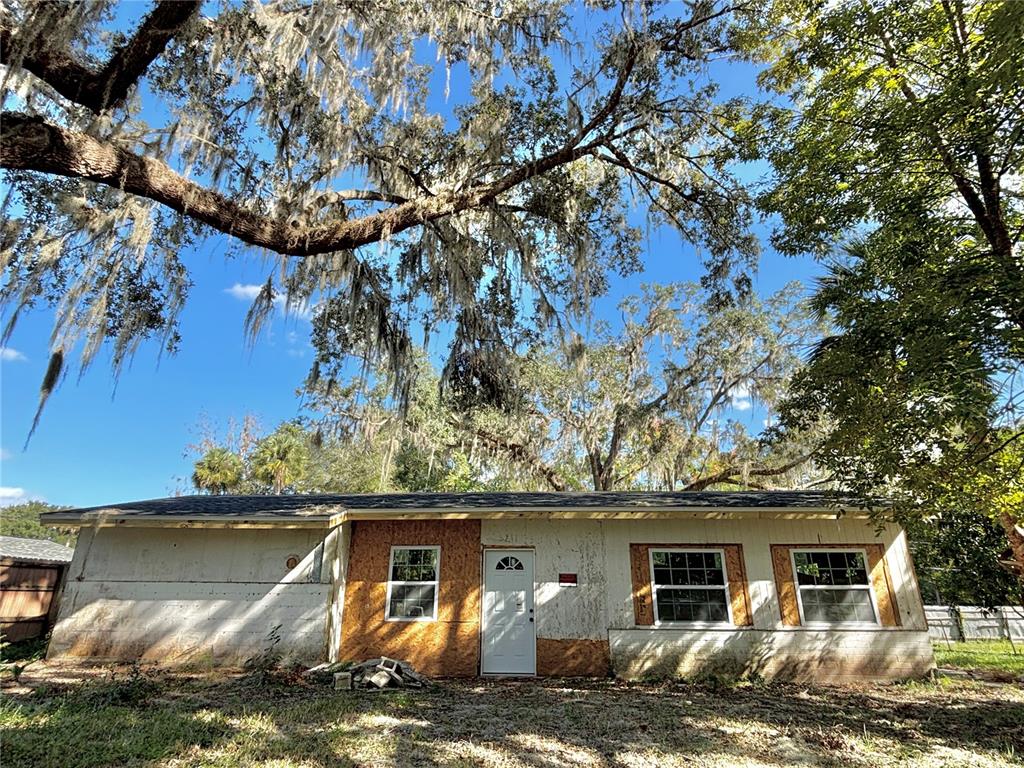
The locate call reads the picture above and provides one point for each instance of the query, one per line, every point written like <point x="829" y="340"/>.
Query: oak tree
<point x="318" y="136"/>
<point x="655" y="401"/>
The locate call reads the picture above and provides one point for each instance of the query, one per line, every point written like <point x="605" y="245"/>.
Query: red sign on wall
<point x="567" y="579"/>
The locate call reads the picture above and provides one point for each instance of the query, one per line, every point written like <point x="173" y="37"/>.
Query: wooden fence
<point x="969" y="622"/>
<point x="28" y="597"/>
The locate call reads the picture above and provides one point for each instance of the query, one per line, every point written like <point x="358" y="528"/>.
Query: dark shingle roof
<point x="323" y="506"/>
<point x="34" y="550"/>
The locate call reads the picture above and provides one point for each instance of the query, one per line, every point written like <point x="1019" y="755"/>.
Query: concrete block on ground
<point x="343" y="681"/>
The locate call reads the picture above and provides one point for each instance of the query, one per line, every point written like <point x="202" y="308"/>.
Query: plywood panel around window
<point x="735" y="574"/>
<point x="447" y="647"/>
<point x="881" y="581"/>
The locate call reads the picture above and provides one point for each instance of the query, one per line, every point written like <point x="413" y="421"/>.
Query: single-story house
<point x="31" y="573"/>
<point x="779" y="584"/>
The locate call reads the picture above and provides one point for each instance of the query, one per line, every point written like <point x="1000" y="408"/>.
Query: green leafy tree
<point x="22" y="520"/>
<point x="904" y="117"/>
<point x="219" y="470"/>
<point x="962" y="558"/>
<point x="281" y="459"/>
<point x="902" y="124"/>
<point x="653" y="405"/>
<point x="309" y="132"/>
<point x="657" y="403"/>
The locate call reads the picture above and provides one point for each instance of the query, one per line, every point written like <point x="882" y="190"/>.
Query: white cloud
<point x="244" y="292"/>
<point x="4" y="454"/>
<point x="10" y="355"/>
<point x="740" y="398"/>
<point x="249" y="292"/>
<point x="9" y="495"/>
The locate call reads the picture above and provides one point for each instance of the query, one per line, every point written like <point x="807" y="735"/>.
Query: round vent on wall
<point x="292" y="562"/>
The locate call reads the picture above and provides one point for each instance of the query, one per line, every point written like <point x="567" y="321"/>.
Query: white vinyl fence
<point x="969" y="622"/>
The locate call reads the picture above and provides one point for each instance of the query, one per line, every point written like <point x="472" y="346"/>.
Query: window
<point x="509" y="564"/>
<point x="689" y="586"/>
<point x="412" y="584"/>
<point x="833" y="587"/>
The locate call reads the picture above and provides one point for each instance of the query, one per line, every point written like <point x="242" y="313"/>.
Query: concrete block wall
<point x="194" y="596"/>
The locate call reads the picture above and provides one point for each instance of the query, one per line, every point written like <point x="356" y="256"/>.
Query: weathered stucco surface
<point x="756" y="536"/>
<point x="562" y="546"/>
<point x="790" y="654"/>
<point x="185" y="596"/>
<point x="603" y="605"/>
<point x="770" y="648"/>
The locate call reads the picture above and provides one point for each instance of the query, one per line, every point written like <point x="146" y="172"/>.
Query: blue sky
<point x="96" y="445"/>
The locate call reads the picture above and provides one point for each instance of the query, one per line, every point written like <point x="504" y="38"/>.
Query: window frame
<point x="870" y="587"/>
<point x="724" y="587"/>
<point x="391" y="583"/>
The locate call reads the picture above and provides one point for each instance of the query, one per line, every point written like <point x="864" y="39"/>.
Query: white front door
<point x="509" y="644"/>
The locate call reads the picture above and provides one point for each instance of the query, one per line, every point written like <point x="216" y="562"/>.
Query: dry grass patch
<point x="165" y="720"/>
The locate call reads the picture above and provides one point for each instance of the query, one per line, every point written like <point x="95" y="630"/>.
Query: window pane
<point x="682" y="569"/>
<point x="833" y="606"/>
<point x="715" y="576"/>
<point x="806" y="570"/>
<point x="831" y="568"/>
<point x="414" y="565"/>
<point x="411" y="601"/>
<point x="686" y="577"/>
<point x="692" y="605"/>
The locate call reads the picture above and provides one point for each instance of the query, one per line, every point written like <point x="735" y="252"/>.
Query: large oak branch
<point x="108" y="86"/>
<point x="32" y="144"/>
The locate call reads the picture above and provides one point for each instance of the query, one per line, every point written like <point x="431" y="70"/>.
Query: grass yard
<point x="75" y="718"/>
<point x="993" y="656"/>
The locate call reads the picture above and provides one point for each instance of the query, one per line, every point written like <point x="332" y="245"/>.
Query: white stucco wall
<point x="193" y="595"/>
<point x="756" y="536"/>
<point x="562" y="546"/>
<point x="602" y="606"/>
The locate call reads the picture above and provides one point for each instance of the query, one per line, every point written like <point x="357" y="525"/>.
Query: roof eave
<point x="113" y="517"/>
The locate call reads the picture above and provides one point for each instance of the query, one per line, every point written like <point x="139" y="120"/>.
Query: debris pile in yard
<point x="373" y="674"/>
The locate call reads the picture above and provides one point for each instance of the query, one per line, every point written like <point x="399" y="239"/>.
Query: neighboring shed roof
<point x="319" y="509"/>
<point x="34" y="550"/>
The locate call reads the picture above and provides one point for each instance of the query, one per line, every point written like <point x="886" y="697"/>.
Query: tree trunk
<point x="1015" y="537"/>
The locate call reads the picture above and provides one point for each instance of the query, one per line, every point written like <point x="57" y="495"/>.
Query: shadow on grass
<point x="542" y="725"/>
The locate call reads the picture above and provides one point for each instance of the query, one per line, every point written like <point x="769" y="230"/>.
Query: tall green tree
<point x="654" y="404"/>
<point x="658" y="404"/>
<point x="22" y="520"/>
<point x="315" y="458"/>
<point x="902" y="116"/>
<point x="962" y="558"/>
<point x="311" y="133"/>
<point x="901" y="123"/>
<point x="281" y="459"/>
<point x="218" y="471"/>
